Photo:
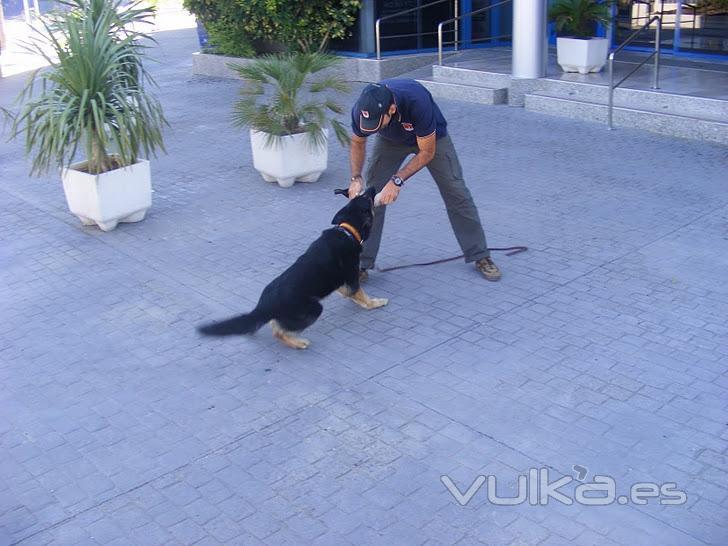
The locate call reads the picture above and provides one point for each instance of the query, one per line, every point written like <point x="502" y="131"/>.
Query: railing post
<point x="656" y="83"/>
<point x="456" y="25"/>
<point x="377" y="36"/>
<point x="610" y="104"/>
<point x="439" y="44"/>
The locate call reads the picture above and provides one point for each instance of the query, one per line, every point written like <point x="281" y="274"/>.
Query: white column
<point x="529" y="38"/>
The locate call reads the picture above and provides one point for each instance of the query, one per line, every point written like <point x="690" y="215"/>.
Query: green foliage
<point x="94" y="93"/>
<point x="208" y="11"/>
<point x="578" y="18"/>
<point x="300" y="25"/>
<point x="292" y="101"/>
<point x="229" y="40"/>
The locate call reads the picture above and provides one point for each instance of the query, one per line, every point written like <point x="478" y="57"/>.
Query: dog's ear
<point x="345" y="192"/>
<point x="340" y="216"/>
<point x="343" y="214"/>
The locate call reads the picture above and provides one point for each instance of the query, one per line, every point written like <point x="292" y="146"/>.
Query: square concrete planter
<point x="292" y="158"/>
<point x="121" y="195"/>
<point x="582" y="55"/>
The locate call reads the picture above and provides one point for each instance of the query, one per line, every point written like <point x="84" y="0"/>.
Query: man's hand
<point x="389" y="193"/>
<point x="355" y="187"/>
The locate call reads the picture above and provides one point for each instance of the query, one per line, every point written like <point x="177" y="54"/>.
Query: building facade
<point x="696" y="28"/>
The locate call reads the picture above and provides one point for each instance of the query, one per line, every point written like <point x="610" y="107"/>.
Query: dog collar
<point x="351" y="230"/>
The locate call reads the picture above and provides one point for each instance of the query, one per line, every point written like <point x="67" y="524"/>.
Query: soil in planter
<point x="115" y="164"/>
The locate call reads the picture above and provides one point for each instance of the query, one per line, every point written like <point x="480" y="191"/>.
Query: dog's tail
<point x="242" y="324"/>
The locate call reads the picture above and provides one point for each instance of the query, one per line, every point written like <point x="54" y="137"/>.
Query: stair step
<point x="638" y="99"/>
<point x="466" y="93"/>
<point x="683" y="126"/>
<point x="467" y="76"/>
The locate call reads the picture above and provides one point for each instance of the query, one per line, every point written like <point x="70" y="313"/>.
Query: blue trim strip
<point x="467" y="27"/>
<point x="681" y="53"/>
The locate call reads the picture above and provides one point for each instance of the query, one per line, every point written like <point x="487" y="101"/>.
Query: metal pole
<point x="610" y="105"/>
<point x="678" y="27"/>
<point x="26" y="11"/>
<point x="376" y="33"/>
<point x="529" y="32"/>
<point x="656" y="84"/>
<point x="456" y="25"/>
<point x="439" y="44"/>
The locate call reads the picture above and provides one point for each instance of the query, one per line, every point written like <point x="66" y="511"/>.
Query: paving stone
<point x="602" y="347"/>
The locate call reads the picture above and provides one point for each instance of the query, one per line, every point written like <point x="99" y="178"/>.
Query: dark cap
<point x="373" y="103"/>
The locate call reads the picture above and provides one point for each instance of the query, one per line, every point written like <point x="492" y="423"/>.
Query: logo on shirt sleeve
<point x="407" y="126"/>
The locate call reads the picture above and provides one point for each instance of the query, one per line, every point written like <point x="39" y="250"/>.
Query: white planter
<point x="582" y="55"/>
<point x="293" y="158"/>
<point x="121" y="195"/>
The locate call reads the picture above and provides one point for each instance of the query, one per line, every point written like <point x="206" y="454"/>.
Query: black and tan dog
<point x="291" y="302"/>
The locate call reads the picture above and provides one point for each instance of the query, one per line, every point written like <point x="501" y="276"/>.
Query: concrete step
<point x="466" y="76"/>
<point x="466" y="93"/>
<point x="684" y="126"/>
<point x="649" y="100"/>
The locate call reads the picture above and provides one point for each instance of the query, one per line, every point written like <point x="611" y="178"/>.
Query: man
<point x="408" y="121"/>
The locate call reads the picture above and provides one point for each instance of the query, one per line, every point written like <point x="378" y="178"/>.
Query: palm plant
<point x="578" y="18"/>
<point x="93" y="95"/>
<point x="285" y="111"/>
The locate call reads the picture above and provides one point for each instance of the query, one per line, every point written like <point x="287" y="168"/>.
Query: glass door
<point x="632" y="14"/>
<point x="705" y="27"/>
<point x="414" y="30"/>
<point x="491" y="27"/>
<point x="700" y="26"/>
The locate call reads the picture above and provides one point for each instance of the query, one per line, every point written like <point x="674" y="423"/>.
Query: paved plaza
<point x="601" y="356"/>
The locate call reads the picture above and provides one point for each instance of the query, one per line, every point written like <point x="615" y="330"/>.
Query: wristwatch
<point x="397" y="181"/>
<point x="357" y="177"/>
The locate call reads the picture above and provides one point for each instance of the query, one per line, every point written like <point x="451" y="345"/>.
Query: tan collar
<point x="352" y="230"/>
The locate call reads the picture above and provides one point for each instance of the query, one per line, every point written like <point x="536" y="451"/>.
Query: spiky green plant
<point x="578" y="18"/>
<point x="292" y="103"/>
<point x="94" y="94"/>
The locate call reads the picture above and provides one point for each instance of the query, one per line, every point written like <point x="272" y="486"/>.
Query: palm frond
<point x="579" y="17"/>
<point x="94" y="94"/>
<point x="332" y="83"/>
<point x="280" y="81"/>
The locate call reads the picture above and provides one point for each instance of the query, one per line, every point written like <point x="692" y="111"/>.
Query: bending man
<point x="408" y="121"/>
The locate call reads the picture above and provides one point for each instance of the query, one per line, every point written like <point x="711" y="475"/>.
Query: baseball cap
<point x="373" y="103"/>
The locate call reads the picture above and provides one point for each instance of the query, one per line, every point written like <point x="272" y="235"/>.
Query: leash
<point x="509" y="250"/>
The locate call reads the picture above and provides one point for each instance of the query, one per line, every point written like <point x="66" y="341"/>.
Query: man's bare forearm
<point x="357" y="154"/>
<point x="420" y="160"/>
<point x="427" y="147"/>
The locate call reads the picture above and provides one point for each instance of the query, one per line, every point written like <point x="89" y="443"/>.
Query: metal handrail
<point x="457" y="18"/>
<point x="655" y="54"/>
<point x="376" y="23"/>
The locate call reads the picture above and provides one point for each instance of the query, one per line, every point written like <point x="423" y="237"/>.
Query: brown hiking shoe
<point x="489" y="270"/>
<point x="363" y="276"/>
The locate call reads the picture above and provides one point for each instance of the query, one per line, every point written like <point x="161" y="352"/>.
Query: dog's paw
<point x="295" y="342"/>
<point x="344" y="291"/>
<point x="375" y="303"/>
<point x="300" y="343"/>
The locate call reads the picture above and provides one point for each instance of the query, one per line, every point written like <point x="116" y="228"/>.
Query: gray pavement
<point x="604" y="347"/>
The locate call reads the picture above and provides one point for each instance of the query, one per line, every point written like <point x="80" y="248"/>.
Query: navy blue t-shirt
<point x="417" y="114"/>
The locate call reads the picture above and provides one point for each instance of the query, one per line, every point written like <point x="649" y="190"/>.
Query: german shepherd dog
<point x="291" y="302"/>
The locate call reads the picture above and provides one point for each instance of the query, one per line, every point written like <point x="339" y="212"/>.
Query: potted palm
<point x="94" y="98"/>
<point x="288" y="127"/>
<point x="577" y="48"/>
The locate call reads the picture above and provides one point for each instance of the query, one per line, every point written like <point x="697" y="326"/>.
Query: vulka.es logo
<point x="537" y="489"/>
